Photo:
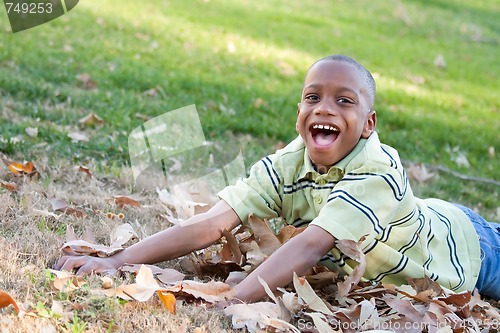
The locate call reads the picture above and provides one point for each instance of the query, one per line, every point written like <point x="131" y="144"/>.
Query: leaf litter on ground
<point x="336" y="303"/>
<point x="326" y="300"/>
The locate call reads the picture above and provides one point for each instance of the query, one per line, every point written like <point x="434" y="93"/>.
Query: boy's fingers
<point x="68" y="263"/>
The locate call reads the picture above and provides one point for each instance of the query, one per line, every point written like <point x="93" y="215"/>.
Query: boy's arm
<point x="297" y="255"/>
<point x="195" y="233"/>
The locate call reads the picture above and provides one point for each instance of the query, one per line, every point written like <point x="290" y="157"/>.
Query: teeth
<point x="328" y="127"/>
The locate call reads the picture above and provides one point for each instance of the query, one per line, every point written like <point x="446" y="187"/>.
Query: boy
<point x="340" y="181"/>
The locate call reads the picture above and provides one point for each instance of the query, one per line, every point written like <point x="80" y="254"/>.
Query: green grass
<point x="242" y="64"/>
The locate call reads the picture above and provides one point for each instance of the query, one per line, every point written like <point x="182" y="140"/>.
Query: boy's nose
<point x="324" y="109"/>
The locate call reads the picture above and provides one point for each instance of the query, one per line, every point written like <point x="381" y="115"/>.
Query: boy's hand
<point x="86" y="265"/>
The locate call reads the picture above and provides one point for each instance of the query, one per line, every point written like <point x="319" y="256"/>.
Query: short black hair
<point x="365" y="73"/>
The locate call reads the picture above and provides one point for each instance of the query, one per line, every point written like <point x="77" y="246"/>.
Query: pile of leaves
<point x="323" y="301"/>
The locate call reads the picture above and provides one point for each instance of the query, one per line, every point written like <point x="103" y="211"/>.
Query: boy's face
<point x="334" y="112"/>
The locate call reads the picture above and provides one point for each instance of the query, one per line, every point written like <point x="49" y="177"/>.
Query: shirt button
<point x="318" y="200"/>
<point x="321" y="182"/>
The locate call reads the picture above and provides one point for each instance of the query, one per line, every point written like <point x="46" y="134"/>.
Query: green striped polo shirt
<point x="365" y="194"/>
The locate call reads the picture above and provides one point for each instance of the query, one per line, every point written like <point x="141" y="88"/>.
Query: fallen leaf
<point x="419" y="173"/>
<point x="264" y="235"/>
<point x="63" y="207"/>
<point x="122" y="234"/>
<point x="307" y="294"/>
<point x="288" y="232"/>
<point x="8" y="186"/>
<point x="141" y="291"/>
<point x="82" y="247"/>
<point x="107" y="282"/>
<point x="321" y="323"/>
<point x="168" y="301"/>
<point x="353" y="250"/>
<point x="164" y="275"/>
<point x="78" y="137"/>
<point x="257" y="316"/>
<point x="32" y="132"/>
<point x="233" y="249"/>
<point x="58" y="205"/>
<point x="153" y="92"/>
<point x="121" y="202"/>
<point x="66" y="281"/>
<point x="91" y="120"/>
<point x="212" y="292"/>
<point x="20" y="169"/>
<point x="86" y="81"/>
<point x="439" y="61"/>
<point x="254" y="256"/>
<point x="85" y="170"/>
<point x="6" y="300"/>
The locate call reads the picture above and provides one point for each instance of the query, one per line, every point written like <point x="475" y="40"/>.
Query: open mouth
<point x="323" y="134"/>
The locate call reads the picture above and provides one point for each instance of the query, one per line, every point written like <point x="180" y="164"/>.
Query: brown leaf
<point x="425" y="284"/>
<point x="168" y="301"/>
<point x="86" y="81"/>
<point x="8" y="186"/>
<point x="321" y="323"/>
<point x="58" y="205"/>
<point x="321" y="279"/>
<point x="353" y="250"/>
<point x="85" y="248"/>
<point x="288" y="232"/>
<point x="6" y="300"/>
<point x="255" y="256"/>
<point x="404" y="307"/>
<point x="66" y="281"/>
<point x="62" y="206"/>
<point x="85" y="170"/>
<point x="70" y="233"/>
<point x="164" y="275"/>
<point x="459" y="300"/>
<point x="232" y="246"/>
<point x="212" y="292"/>
<point x="121" y="234"/>
<point x="123" y="201"/>
<point x="141" y="291"/>
<point x="419" y="173"/>
<point x="305" y="291"/>
<point x="20" y="169"/>
<point x="209" y="263"/>
<point x="91" y="120"/>
<point x="267" y="241"/>
<point x="257" y="316"/>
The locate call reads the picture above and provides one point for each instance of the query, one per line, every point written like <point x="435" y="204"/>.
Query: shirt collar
<point x="336" y="172"/>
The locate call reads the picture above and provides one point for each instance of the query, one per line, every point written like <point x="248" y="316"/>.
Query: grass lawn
<point x="242" y="64"/>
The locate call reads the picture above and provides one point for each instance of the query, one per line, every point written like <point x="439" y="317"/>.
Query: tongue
<point x="324" y="139"/>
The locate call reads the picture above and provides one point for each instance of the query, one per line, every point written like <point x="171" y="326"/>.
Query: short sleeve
<point x="258" y="194"/>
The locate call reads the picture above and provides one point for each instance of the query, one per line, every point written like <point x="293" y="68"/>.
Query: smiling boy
<point x="337" y="179"/>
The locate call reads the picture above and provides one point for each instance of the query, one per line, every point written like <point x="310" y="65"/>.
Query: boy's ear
<point x="371" y="122"/>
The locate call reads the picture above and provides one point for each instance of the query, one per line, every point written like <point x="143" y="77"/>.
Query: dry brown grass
<point x="30" y="243"/>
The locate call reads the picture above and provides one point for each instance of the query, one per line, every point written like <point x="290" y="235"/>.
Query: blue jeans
<point x="488" y="282"/>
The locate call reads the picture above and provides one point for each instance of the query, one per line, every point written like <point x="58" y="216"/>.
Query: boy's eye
<point x="344" y="100"/>
<point x="311" y="97"/>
